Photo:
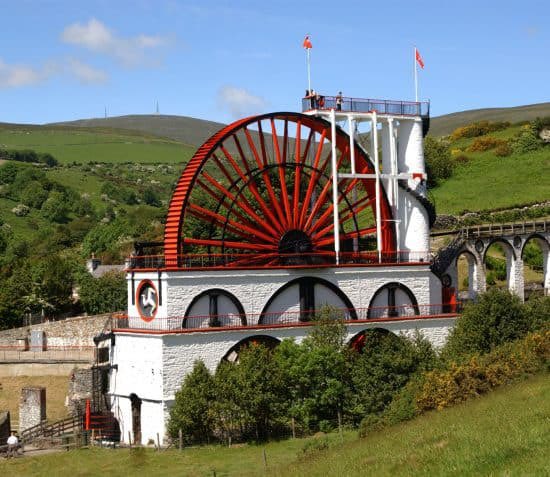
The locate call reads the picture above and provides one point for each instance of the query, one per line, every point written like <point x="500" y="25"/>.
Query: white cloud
<point x="86" y="73"/>
<point x="97" y="37"/>
<point x="14" y="76"/>
<point x="240" y="102"/>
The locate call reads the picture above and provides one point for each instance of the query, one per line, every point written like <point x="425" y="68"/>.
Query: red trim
<point x="141" y="285"/>
<point x="284" y="325"/>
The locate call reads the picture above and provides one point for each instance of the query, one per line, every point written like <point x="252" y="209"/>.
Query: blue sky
<point x="220" y="60"/>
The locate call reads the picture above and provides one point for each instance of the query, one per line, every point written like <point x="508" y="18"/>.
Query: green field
<point x="487" y="182"/>
<point x="503" y="433"/>
<point x="81" y="145"/>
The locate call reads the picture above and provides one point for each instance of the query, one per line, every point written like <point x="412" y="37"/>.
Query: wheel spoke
<point x="253" y="190"/>
<point x="313" y="179"/>
<point x="242" y="204"/>
<point x="230" y="244"/>
<point x="262" y="164"/>
<point x="282" y="180"/>
<point x="236" y="227"/>
<point x="242" y="193"/>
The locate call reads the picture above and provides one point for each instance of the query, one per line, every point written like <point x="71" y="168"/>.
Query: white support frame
<point x="392" y="177"/>
<point x="334" y="165"/>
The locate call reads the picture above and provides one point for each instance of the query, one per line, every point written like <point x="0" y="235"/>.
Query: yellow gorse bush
<point x="443" y="388"/>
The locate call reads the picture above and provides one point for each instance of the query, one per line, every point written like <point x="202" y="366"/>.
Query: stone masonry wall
<point x="32" y="407"/>
<point x="77" y="331"/>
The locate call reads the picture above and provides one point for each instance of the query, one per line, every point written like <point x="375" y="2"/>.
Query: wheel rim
<point x="261" y="188"/>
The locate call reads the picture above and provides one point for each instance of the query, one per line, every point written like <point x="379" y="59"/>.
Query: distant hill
<point x="194" y="131"/>
<point x="446" y="124"/>
<point x="182" y="128"/>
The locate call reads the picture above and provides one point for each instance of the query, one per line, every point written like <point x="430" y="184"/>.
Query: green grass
<point x="503" y="433"/>
<point x="489" y="182"/>
<point x="101" y="145"/>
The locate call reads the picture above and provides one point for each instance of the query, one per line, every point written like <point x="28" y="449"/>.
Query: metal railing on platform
<point x="279" y="319"/>
<point x="256" y="260"/>
<point x="363" y="105"/>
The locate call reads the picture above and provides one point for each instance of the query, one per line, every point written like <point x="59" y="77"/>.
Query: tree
<point x="385" y="364"/>
<point x="104" y="294"/>
<point x="150" y="197"/>
<point x="316" y="373"/>
<point x="259" y="391"/>
<point x="34" y="195"/>
<point x="55" y="207"/>
<point x="497" y="317"/>
<point x="439" y="164"/>
<point x="191" y="411"/>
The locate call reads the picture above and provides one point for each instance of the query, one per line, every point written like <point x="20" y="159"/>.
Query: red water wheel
<point x="259" y="193"/>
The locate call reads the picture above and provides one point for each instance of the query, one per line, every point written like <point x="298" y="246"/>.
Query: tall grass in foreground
<point x="505" y="432"/>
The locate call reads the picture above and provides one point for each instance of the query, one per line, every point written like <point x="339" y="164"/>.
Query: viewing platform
<point x="277" y="260"/>
<point x="279" y="319"/>
<point x="319" y="102"/>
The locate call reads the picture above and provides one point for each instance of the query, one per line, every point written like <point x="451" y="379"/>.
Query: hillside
<point x="94" y="144"/>
<point x="483" y="181"/>
<point x="181" y="128"/>
<point x="503" y="433"/>
<point x="446" y="124"/>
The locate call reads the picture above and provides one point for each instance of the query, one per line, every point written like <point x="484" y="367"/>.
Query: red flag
<point x="307" y="43"/>
<point x="419" y="59"/>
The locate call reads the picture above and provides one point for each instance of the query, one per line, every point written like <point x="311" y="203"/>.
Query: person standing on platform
<point x="339" y="101"/>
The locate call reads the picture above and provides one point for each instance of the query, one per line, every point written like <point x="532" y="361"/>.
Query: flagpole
<point x="415" y="77"/>
<point x="308" y="70"/>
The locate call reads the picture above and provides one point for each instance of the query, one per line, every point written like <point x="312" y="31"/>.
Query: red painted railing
<point x="275" y="260"/>
<point x="279" y="319"/>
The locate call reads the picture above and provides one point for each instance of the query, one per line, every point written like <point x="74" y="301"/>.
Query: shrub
<point x="315" y="445"/>
<point x="506" y="363"/>
<point x="496" y="318"/>
<point x="527" y="140"/>
<point x="461" y="159"/>
<point x="105" y="294"/>
<point x="503" y="150"/>
<point x="369" y="424"/>
<point x="191" y="410"/>
<point x="21" y="210"/>
<point x="485" y="143"/>
<point x="439" y="164"/>
<point x="479" y="128"/>
<point x="538" y="309"/>
<point x="386" y="363"/>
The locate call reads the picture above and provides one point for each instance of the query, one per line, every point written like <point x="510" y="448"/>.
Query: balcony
<point x="361" y="105"/>
<point x="283" y="319"/>
<point x="251" y="261"/>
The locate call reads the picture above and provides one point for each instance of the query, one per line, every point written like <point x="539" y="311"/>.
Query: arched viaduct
<point x="473" y="243"/>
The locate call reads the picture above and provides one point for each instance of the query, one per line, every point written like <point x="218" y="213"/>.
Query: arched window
<point x="214" y="308"/>
<point x="393" y="300"/>
<point x="233" y="354"/>
<point x="298" y="300"/>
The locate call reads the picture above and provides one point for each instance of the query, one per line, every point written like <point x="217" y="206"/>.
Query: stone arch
<point x="476" y="273"/>
<point x="233" y="354"/>
<point x="514" y="265"/>
<point x="214" y="308"/>
<point x="298" y="299"/>
<point x="544" y="245"/>
<point x="360" y="339"/>
<point x="392" y="300"/>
